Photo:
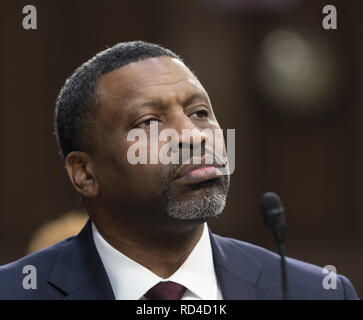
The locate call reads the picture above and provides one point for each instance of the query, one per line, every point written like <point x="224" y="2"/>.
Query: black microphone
<point x="274" y="218"/>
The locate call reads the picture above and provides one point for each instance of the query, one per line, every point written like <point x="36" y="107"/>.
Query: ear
<point x="80" y="170"/>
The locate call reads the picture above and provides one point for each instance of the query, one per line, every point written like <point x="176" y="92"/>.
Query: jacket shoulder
<point x="305" y="280"/>
<point x="26" y="277"/>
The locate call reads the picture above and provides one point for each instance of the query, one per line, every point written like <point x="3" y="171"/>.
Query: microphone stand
<point x="281" y="248"/>
<point x="274" y="218"/>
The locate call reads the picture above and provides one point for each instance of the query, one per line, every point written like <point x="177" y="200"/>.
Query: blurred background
<point x="292" y="90"/>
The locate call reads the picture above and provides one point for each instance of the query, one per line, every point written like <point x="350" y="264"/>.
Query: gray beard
<point x="208" y="204"/>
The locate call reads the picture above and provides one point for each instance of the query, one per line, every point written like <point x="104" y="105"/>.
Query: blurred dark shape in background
<point x="291" y="89"/>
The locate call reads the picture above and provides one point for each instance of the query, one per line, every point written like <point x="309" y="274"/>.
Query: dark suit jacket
<point x="72" y="269"/>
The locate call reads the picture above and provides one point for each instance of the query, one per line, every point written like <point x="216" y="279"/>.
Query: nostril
<point x="184" y="145"/>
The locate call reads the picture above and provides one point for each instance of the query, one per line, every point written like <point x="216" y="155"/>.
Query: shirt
<point x="130" y="280"/>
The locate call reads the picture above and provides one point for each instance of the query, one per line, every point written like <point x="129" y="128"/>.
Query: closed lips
<point x="196" y="173"/>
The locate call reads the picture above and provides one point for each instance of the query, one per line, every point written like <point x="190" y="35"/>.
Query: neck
<point x="161" y="248"/>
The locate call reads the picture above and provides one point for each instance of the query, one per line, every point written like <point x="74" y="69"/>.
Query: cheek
<point x="118" y="177"/>
<point x="142" y="186"/>
<point x="137" y="180"/>
<point x="123" y="173"/>
<point x="132" y="186"/>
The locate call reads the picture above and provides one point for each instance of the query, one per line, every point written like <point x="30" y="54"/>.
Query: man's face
<point x="155" y="89"/>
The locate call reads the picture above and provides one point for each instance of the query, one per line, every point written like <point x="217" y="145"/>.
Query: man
<point x="147" y="236"/>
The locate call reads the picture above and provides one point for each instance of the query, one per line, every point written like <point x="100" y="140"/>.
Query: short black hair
<point x="77" y="103"/>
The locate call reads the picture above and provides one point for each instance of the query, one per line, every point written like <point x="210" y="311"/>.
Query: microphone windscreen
<point x="270" y="201"/>
<point x="272" y="211"/>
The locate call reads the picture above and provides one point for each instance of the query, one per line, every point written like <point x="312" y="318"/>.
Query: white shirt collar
<point x="130" y="280"/>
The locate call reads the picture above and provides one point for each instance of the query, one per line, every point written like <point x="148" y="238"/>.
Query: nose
<point x="188" y="132"/>
<point x="194" y="140"/>
<point x="190" y="137"/>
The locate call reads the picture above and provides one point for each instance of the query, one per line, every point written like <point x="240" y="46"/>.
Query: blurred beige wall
<point x="68" y="225"/>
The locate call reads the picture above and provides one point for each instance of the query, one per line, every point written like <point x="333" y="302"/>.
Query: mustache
<point x="202" y="152"/>
<point x="213" y="158"/>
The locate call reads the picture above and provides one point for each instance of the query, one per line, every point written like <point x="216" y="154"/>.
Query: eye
<point x="147" y="122"/>
<point x="201" y="113"/>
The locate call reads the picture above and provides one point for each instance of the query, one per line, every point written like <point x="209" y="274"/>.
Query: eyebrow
<point x="195" y="96"/>
<point x="160" y="104"/>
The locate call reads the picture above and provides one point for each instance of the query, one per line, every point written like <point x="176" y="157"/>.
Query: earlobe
<point x="80" y="171"/>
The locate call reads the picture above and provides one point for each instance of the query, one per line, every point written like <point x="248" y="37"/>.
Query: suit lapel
<point x="237" y="271"/>
<point x="79" y="272"/>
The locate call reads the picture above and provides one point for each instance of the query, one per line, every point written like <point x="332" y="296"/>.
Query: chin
<point x="201" y="206"/>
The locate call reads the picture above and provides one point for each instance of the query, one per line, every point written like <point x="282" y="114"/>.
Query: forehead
<point x="162" y="78"/>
